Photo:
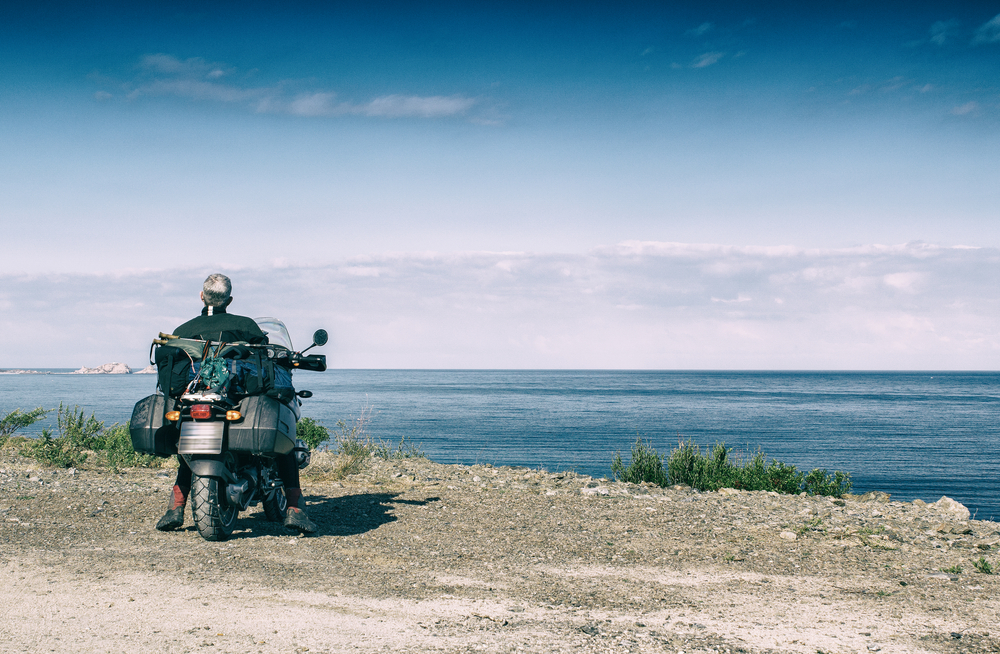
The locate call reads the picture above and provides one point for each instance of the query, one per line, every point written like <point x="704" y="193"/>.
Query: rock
<point x="728" y="491"/>
<point x="148" y="370"/>
<point x="948" y="505"/>
<point x="875" y="496"/>
<point x="107" y="369"/>
<point x="787" y="535"/>
<point x="919" y="502"/>
<point x="600" y="490"/>
<point x="951" y="528"/>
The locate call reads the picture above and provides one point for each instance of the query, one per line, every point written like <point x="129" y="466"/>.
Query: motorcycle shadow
<point x="347" y="515"/>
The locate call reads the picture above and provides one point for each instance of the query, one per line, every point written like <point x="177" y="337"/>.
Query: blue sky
<point x="375" y="159"/>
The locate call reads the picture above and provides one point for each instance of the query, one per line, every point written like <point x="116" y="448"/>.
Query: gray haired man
<point x="216" y="325"/>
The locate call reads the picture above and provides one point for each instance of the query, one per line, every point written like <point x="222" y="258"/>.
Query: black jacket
<point x="221" y="326"/>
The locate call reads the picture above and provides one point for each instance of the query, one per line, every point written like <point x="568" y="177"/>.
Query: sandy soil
<point x="417" y="556"/>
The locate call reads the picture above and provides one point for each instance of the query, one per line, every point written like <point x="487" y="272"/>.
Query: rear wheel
<point x="276" y="505"/>
<point x="214" y="516"/>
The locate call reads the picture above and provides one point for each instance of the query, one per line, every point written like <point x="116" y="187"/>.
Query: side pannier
<point x="150" y="433"/>
<point x="267" y="427"/>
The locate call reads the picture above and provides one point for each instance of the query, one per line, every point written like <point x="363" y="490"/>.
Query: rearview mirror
<point x="320" y="337"/>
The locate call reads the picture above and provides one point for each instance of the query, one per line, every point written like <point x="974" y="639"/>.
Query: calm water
<point x="909" y="434"/>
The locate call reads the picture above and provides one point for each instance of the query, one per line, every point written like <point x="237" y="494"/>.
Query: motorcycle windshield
<point x="277" y="333"/>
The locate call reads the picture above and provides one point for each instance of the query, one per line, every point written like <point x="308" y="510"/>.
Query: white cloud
<point x="708" y="59"/>
<point x="313" y="104"/>
<point x="195" y="67"/>
<point x="700" y="30"/>
<point x="943" y="31"/>
<point x="196" y="79"/>
<point x="636" y="304"/>
<point x="965" y="109"/>
<point x="197" y="90"/>
<point x="989" y="32"/>
<point x="394" y="106"/>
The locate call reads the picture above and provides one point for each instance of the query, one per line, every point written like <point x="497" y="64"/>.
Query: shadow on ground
<point x="347" y="515"/>
<point x="350" y="515"/>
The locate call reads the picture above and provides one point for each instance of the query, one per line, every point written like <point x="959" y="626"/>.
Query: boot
<point x="174" y="517"/>
<point x="295" y="517"/>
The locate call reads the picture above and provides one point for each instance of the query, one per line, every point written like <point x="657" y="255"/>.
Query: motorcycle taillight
<point x="201" y="411"/>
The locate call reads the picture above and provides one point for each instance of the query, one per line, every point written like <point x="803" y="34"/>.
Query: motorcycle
<point x="229" y="409"/>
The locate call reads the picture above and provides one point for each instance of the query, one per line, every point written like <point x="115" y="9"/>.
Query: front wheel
<point x="213" y="515"/>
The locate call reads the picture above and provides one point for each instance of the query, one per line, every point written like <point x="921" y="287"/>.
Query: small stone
<point x="594" y="491"/>
<point x="787" y="535"/>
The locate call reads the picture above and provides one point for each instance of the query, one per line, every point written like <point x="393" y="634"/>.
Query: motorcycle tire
<point x="213" y="515"/>
<point x="276" y="506"/>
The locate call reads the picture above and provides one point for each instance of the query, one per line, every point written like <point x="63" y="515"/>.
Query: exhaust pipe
<point x="236" y="492"/>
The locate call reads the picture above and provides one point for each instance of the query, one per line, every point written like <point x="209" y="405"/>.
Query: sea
<point x="910" y="434"/>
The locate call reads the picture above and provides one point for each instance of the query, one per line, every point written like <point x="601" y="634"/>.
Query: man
<point x="217" y="325"/>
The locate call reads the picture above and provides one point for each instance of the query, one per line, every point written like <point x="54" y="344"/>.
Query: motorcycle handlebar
<point x="314" y="362"/>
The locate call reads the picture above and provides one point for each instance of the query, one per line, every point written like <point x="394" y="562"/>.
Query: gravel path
<point x="417" y="556"/>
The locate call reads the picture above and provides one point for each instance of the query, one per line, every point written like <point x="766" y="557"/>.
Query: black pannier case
<point x="267" y="427"/>
<point x="149" y="433"/>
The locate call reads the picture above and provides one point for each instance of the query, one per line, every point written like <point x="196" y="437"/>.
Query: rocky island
<point x="107" y="369"/>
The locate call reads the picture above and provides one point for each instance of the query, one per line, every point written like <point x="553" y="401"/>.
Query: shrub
<point x="79" y="436"/>
<point x="646" y="466"/>
<point x="983" y="566"/>
<point x="18" y="419"/>
<point x="353" y="440"/>
<point x="313" y="433"/>
<point x="116" y="444"/>
<point x="353" y="447"/>
<point x="820" y="482"/>
<point x="79" y="431"/>
<point x="58" y="452"/>
<point x="716" y="469"/>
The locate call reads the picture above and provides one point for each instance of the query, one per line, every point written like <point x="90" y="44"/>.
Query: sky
<point x="526" y="185"/>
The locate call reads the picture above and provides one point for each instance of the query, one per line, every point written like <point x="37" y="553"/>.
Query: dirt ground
<point x="417" y="556"/>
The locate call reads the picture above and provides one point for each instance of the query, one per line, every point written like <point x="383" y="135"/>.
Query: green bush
<point x="646" y="466"/>
<point x="18" y="419"/>
<point x="58" y="452"/>
<point x="79" y="431"/>
<point x="116" y="444"/>
<point x="353" y="440"/>
<point x="313" y="433"/>
<point x="79" y="436"/>
<point x="716" y="469"/>
<point x="983" y="566"/>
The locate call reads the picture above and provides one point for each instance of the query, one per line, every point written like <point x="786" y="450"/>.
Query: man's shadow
<point x="347" y="515"/>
